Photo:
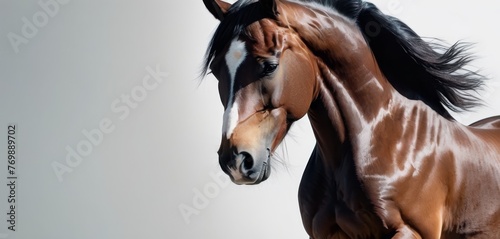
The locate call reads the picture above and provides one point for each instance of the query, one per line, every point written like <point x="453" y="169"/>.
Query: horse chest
<point x="334" y="205"/>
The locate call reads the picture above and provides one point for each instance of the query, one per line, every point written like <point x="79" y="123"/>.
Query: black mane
<point x="434" y="73"/>
<point x="431" y="72"/>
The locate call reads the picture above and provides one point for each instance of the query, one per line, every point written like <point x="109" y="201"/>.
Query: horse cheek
<point x="299" y="87"/>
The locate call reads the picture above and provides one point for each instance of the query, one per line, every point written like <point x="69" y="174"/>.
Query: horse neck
<point x="344" y="109"/>
<point x="355" y="93"/>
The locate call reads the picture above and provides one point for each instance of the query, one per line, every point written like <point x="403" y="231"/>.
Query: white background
<point x="131" y="185"/>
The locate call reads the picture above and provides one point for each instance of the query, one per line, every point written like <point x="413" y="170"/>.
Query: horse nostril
<point x="226" y="162"/>
<point x="247" y="160"/>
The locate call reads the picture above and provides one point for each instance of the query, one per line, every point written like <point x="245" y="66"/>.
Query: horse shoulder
<point x="480" y="156"/>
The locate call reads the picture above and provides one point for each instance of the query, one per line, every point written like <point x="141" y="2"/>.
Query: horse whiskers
<point x="279" y="157"/>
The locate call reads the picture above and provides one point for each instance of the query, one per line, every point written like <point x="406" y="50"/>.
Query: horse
<point x="390" y="161"/>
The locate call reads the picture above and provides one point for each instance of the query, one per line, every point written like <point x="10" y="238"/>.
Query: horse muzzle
<point x="245" y="155"/>
<point x="244" y="168"/>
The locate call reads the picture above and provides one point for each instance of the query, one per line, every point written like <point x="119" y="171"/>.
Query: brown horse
<point x="390" y="161"/>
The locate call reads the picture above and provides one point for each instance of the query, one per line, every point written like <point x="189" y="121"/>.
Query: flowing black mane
<point x="431" y="72"/>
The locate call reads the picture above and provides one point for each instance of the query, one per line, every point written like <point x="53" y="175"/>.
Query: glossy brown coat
<point x="386" y="165"/>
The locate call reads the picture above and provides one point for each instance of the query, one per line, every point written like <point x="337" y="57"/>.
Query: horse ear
<point x="271" y="6"/>
<point x="218" y="8"/>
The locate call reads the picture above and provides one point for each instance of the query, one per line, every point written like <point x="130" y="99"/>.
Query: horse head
<point x="266" y="79"/>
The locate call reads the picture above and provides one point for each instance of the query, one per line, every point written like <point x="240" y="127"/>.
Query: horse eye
<point x="268" y="68"/>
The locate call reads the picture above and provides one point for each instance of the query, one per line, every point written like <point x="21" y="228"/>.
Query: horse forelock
<point x="240" y="15"/>
<point x="244" y="12"/>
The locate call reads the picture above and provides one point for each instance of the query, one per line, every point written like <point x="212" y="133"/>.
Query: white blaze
<point x="234" y="57"/>
<point x="230" y="119"/>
